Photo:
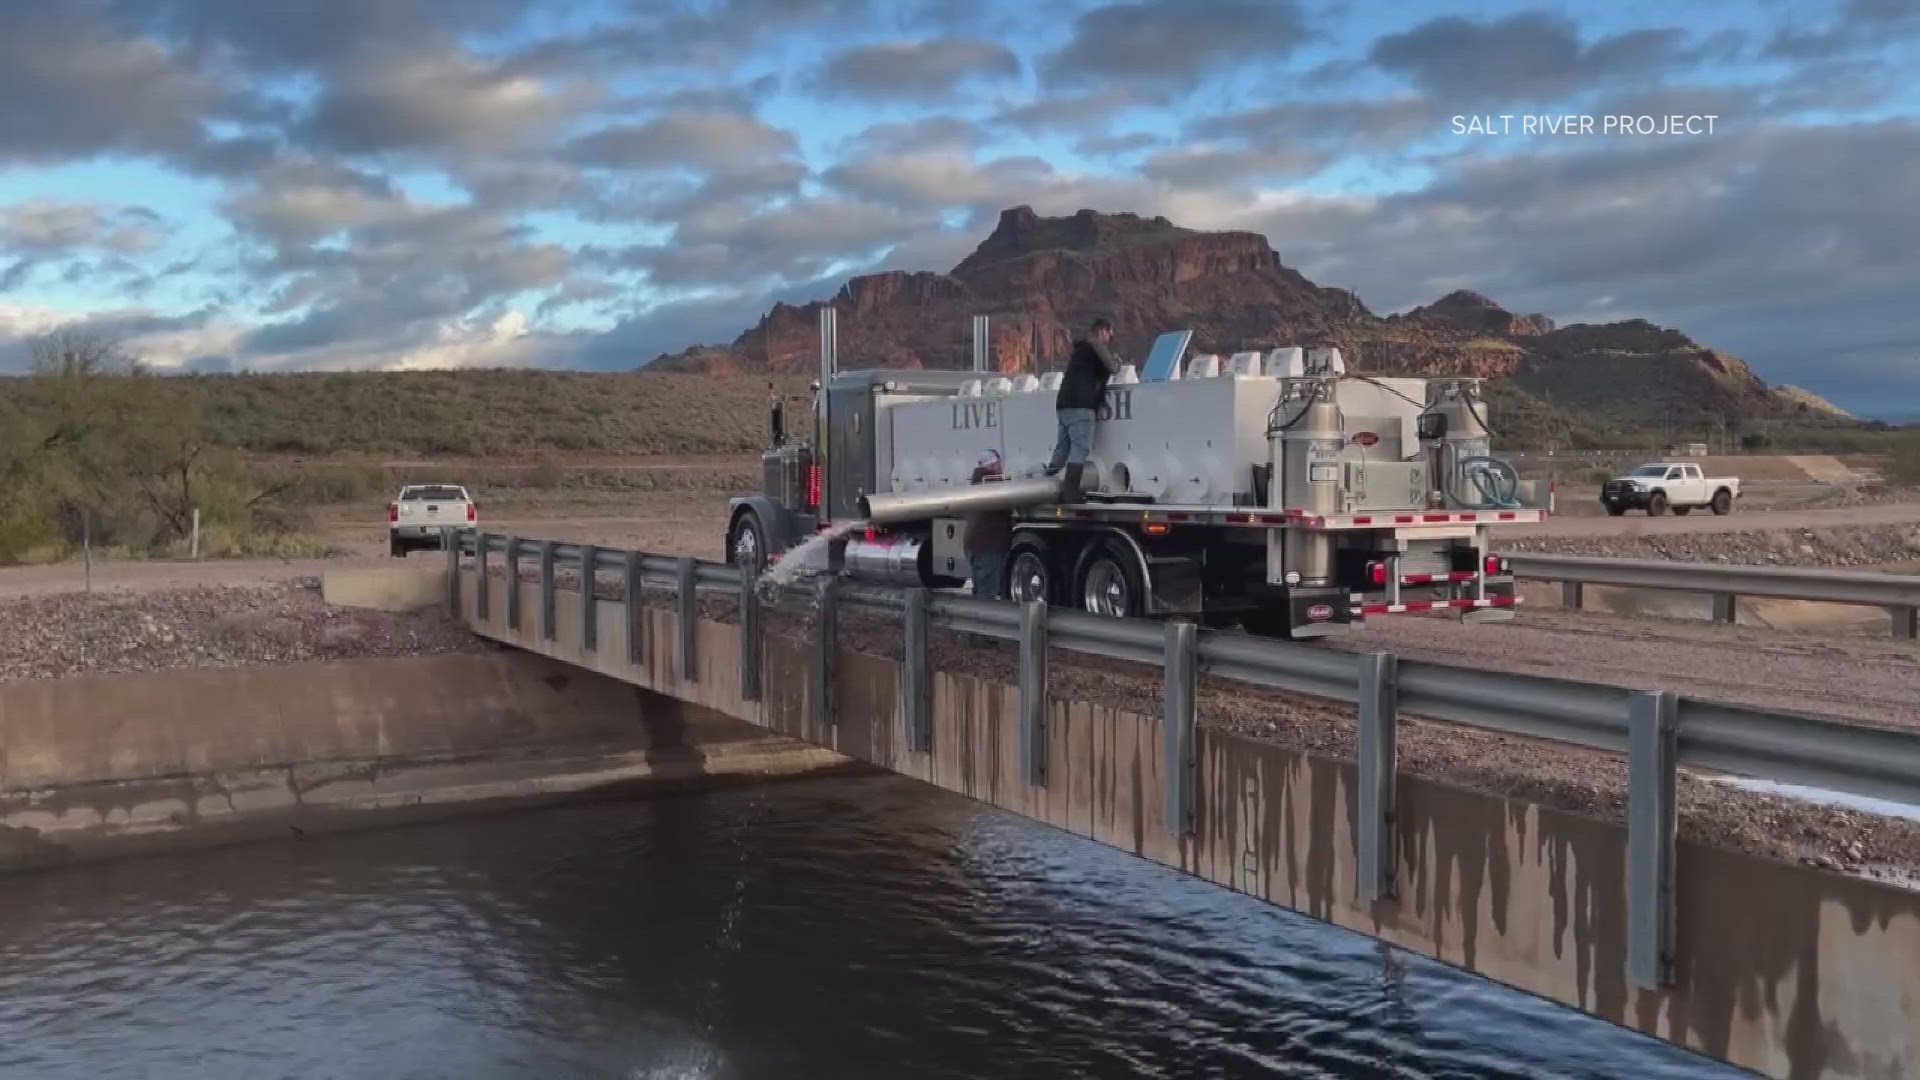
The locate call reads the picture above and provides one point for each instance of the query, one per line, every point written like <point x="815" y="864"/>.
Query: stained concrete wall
<point x="109" y="764"/>
<point x="1788" y="971"/>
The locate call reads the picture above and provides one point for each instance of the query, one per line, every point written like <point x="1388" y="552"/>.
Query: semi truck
<point x="1275" y="490"/>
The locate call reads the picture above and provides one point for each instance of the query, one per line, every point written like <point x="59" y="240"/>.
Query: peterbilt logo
<point x="1320" y="612"/>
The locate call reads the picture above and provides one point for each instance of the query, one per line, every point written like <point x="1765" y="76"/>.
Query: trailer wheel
<point x="747" y="543"/>
<point x="1030" y="574"/>
<point x="1111" y="583"/>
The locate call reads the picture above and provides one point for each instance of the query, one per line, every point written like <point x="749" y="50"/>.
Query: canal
<point x="824" y="928"/>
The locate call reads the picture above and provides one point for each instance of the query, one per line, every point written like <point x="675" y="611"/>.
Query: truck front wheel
<point x="1657" y="504"/>
<point x="747" y="543"/>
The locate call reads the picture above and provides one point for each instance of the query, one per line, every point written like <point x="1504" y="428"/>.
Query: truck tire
<point x="1032" y="573"/>
<point x="1722" y="503"/>
<point x="396" y="547"/>
<point x="1616" y="511"/>
<point x="1657" y="504"/>
<point x="747" y="543"/>
<point x="1111" y="582"/>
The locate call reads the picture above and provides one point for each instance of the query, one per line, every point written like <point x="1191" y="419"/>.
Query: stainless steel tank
<point x="1306" y="443"/>
<point x="1459" y="403"/>
<point x="893" y="561"/>
<point x="893" y="508"/>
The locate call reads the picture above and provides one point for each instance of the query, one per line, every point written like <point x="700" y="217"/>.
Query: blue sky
<point x="588" y="183"/>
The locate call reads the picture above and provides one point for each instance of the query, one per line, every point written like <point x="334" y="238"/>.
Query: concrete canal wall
<point x="111" y="764"/>
<point x="1789" y="971"/>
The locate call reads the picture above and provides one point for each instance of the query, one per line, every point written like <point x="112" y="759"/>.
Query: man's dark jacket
<point x="1085" y="382"/>
<point x="988" y="530"/>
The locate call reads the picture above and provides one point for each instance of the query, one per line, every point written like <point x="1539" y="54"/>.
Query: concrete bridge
<point x="1788" y="971"/>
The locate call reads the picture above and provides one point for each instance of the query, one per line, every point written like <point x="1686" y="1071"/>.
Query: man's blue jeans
<point x="1076" y="438"/>
<point x="989" y="575"/>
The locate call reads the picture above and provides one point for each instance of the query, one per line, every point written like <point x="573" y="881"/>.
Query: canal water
<point x="868" y="927"/>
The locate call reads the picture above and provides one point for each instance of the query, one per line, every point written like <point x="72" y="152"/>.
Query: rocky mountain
<point x="1043" y="279"/>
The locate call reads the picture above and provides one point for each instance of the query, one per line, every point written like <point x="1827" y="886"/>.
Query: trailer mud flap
<point x="1175" y="586"/>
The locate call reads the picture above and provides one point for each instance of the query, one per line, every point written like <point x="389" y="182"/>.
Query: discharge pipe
<point x="892" y="508"/>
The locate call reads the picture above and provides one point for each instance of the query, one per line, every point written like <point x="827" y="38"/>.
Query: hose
<point x="1496" y="482"/>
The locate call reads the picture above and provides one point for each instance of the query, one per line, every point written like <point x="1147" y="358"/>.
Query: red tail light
<point x="1495" y="566"/>
<point x="872" y="534"/>
<point x="393" y="513"/>
<point x="473" y="513"/>
<point x="1377" y="573"/>
<point x="813" y="487"/>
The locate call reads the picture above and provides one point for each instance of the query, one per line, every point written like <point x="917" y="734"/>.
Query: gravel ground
<point x="1831" y="546"/>
<point x="58" y="636"/>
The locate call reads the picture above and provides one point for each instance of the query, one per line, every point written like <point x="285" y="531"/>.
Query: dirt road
<point x="1870" y="680"/>
<point x="1638" y="524"/>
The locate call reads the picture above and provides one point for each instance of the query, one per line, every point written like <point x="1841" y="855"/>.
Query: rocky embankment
<point x="1857" y="546"/>
<point x="66" y="634"/>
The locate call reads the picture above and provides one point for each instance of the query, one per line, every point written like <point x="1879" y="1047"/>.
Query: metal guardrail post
<point x="1378" y="754"/>
<point x="589" y="598"/>
<point x="513" y="582"/>
<point x="1033" y="691"/>
<point x="1906" y="622"/>
<point x="689" y="603"/>
<point x="633" y="595"/>
<point x="1572" y="594"/>
<point x="751" y="635"/>
<point x="917" y="688"/>
<point x="453" y="579"/>
<point x="1176" y="725"/>
<point x="1652" y="754"/>
<point x="826" y="642"/>
<point x="481" y="541"/>
<point x="546" y="589"/>
<point x="1725" y="608"/>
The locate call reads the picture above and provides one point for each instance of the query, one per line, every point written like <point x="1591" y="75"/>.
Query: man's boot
<point x="1070" y="483"/>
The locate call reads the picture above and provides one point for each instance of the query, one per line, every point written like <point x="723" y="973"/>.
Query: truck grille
<point x="1613" y="489"/>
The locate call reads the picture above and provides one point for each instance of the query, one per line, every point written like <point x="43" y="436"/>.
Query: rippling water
<point x="867" y="927"/>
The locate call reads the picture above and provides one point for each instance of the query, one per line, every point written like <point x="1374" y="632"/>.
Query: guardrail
<point x="1657" y="730"/>
<point x="1899" y="594"/>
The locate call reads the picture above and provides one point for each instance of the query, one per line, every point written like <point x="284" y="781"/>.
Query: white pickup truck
<point x="421" y="513"/>
<point x="1669" y="485"/>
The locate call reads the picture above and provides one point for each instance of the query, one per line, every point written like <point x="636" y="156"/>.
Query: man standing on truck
<point x="1077" y="404"/>
<point x="989" y="535"/>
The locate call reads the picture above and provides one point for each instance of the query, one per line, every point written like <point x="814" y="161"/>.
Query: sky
<point x="229" y="185"/>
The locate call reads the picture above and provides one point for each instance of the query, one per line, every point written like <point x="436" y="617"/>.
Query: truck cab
<point x="1659" y="486"/>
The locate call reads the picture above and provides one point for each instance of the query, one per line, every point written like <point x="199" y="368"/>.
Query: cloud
<point x="927" y="133"/>
<point x="1862" y="25"/>
<point x="1117" y="145"/>
<point x="799" y="240"/>
<point x="48" y="226"/>
<point x="1170" y="44"/>
<point x="73" y="85"/>
<point x="1529" y="55"/>
<point x="1214" y="167"/>
<point x="1344" y="124"/>
<point x="1070" y="113"/>
<point x="684" y="140"/>
<point x="916" y="70"/>
<point x="395" y="101"/>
